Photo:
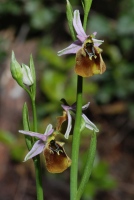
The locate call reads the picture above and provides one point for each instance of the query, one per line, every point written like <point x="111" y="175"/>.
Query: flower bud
<point x="27" y="76"/>
<point x="16" y="70"/>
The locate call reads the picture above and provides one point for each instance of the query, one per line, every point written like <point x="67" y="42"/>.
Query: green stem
<point x="38" y="177"/>
<point x="88" y="166"/>
<point x="36" y="159"/>
<point x="34" y="115"/>
<point x="76" y="141"/>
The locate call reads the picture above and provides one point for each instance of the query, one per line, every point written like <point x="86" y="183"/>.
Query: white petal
<point x="85" y="106"/>
<point x="69" y="126"/>
<point x="97" y="43"/>
<point x="90" y="125"/>
<point x="27" y="77"/>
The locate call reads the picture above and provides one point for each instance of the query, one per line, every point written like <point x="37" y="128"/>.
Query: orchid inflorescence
<point x="88" y="62"/>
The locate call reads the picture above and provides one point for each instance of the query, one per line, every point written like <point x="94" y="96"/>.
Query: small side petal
<point x="69" y="126"/>
<point x="66" y="108"/>
<point x="89" y="124"/>
<point x="49" y="130"/>
<point x="97" y="43"/>
<point x="37" y="148"/>
<point x="94" y="33"/>
<point x="72" y="49"/>
<point x="78" y="26"/>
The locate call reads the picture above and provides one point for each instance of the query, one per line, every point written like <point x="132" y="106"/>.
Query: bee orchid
<point x="86" y="48"/>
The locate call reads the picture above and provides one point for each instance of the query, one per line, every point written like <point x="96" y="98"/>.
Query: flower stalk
<point x="76" y="141"/>
<point x="84" y="46"/>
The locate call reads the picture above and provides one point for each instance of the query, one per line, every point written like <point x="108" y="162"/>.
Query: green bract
<point x="16" y="70"/>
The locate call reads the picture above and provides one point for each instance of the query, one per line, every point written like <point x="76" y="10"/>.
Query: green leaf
<point x="88" y="166"/>
<point x="7" y="137"/>
<point x="69" y="13"/>
<point x="26" y="126"/>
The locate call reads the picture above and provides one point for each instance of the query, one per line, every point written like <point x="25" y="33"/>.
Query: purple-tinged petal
<point x="78" y="26"/>
<point x="89" y="124"/>
<point x="81" y="38"/>
<point x="37" y="148"/>
<point x="85" y="106"/>
<point x="72" y="49"/>
<point x="66" y="108"/>
<point x="49" y="130"/>
<point x="94" y="33"/>
<point x="42" y="137"/>
<point x="97" y="43"/>
<point x="34" y="134"/>
<point x="69" y="126"/>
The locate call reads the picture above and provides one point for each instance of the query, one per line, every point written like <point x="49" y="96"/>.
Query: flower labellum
<point x="89" y="60"/>
<point x="56" y="159"/>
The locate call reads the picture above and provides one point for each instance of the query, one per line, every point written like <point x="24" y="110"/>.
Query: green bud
<point x="16" y="70"/>
<point x="27" y="75"/>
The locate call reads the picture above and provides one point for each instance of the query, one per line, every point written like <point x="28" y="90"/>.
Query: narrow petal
<point x="97" y="43"/>
<point x="72" y="49"/>
<point x="94" y="33"/>
<point x="37" y="148"/>
<point x="69" y="126"/>
<point x="66" y="108"/>
<point x="42" y="137"/>
<point x="78" y="26"/>
<point x="85" y="106"/>
<point x="27" y="76"/>
<point x="89" y="124"/>
<point x="34" y="134"/>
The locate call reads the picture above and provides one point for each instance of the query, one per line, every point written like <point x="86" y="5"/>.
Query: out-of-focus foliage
<point x="14" y="144"/>
<point x="100" y="180"/>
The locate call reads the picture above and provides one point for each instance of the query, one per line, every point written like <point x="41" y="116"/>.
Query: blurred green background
<point x="40" y="27"/>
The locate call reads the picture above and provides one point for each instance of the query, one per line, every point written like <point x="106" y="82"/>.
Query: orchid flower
<point x="40" y="144"/>
<point x="81" y="35"/>
<point x="86" y="48"/>
<point x="70" y="113"/>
